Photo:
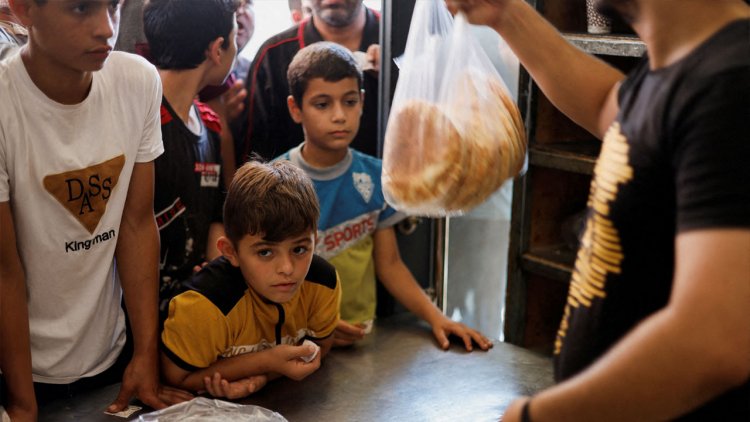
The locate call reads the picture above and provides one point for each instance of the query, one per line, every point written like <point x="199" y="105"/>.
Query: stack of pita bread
<point x="444" y="159"/>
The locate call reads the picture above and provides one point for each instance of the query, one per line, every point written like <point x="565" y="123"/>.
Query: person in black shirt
<point x="656" y="324"/>
<point x="193" y="45"/>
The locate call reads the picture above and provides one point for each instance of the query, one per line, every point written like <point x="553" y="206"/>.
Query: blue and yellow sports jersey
<point x="352" y="208"/>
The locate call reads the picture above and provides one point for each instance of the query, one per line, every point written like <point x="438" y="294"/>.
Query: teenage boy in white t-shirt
<point x="79" y="129"/>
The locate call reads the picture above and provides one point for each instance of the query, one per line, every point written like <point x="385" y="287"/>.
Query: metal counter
<point x="396" y="374"/>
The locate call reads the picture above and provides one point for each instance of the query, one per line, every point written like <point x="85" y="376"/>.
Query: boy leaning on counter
<point x="241" y="319"/>
<point x="79" y="130"/>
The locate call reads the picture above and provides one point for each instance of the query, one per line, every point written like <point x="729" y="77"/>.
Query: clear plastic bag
<point x="202" y="409"/>
<point x="454" y="134"/>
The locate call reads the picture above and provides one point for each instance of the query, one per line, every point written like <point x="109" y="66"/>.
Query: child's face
<point x="73" y="34"/>
<point x="275" y="270"/>
<point x="329" y="114"/>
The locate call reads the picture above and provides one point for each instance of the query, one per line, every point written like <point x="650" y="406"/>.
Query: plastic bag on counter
<point x="202" y="409"/>
<point x="454" y="134"/>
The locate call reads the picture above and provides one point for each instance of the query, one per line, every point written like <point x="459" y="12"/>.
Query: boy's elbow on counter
<point x="176" y="378"/>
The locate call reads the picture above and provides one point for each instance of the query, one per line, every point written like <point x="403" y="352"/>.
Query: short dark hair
<point x="324" y="59"/>
<point x="274" y="200"/>
<point x="180" y="31"/>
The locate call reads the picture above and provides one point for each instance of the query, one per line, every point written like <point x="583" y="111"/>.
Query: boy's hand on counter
<point x="444" y="327"/>
<point x="141" y="380"/>
<point x="289" y="361"/>
<point x="219" y="387"/>
<point x="172" y="395"/>
<point x="347" y="334"/>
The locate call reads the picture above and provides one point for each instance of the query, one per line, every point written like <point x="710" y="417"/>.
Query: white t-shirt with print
<point x="66" y="170"/>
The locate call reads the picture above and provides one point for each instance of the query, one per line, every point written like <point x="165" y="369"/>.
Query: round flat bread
<point x="448" y="160"/>
<point x="516" y="145"/>
<point x="422" y="158"/>
<point x="484" y="118"/>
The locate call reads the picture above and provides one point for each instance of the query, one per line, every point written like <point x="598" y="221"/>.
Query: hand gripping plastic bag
<point x="202" y="409"/>
<point x="454" y="134"/>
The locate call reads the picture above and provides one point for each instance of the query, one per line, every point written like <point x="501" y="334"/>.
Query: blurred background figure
<point x="245" y="31"/>
<point x="12" y="33"/>
<point x="300" y="9"/>
<point x="228" y="99"/>
<point x="131" y="37"/>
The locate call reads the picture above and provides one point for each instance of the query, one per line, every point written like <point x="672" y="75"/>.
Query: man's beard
<point x="340" y="17"/>
<point x="615" y="9"/>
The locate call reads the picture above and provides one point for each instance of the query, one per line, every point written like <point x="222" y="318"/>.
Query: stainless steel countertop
<point x="396" y="374"/>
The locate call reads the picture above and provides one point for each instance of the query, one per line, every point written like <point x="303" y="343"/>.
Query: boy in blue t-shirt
<point x="355" y="229"/>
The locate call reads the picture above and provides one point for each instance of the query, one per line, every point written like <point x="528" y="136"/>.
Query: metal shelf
<point x="577" y="157"/>
<point x="608" y="45"/>
<point x="555" y="262"/>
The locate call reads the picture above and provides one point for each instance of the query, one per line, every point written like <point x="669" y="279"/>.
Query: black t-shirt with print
<point x="189" y="192"/>
<point x="676" y="159"/>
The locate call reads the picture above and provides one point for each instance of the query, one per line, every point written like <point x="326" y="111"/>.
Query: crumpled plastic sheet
<point x="202" y="409"/>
